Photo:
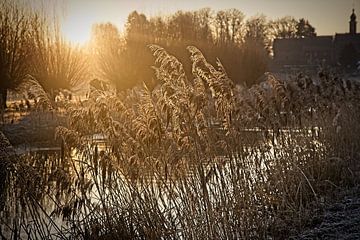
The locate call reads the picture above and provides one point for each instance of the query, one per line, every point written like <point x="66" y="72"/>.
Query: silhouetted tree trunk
<point x="3" y="97"/>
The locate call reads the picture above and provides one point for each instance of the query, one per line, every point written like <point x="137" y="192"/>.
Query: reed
<point x="198" y="157"/>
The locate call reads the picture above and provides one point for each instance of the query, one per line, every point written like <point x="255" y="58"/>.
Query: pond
<point x="91" y="191"/>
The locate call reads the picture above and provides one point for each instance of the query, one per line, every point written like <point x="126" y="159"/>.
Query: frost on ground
<point x="339" y="220"/>
<point x="33" y="129"/>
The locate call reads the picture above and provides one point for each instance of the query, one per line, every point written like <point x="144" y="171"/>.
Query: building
<point x="310" y="53"/>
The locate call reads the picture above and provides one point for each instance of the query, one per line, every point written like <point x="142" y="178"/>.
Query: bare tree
<point x="305" y="29"/>
<point x="137" y="28"/>
<point x="14" y="54"/>
<point x="159" y="29"/>
<point x="229" y="26"/>
<point x="107" y="49"/>
<point x="204" y="19"/>
<point x="257" y="29"/>
<point x="55" y="63"/>
<point x="124" y="62"/>
<point x="236" y="22"/>
<point x="284" y="27"/>
<point x="221" y="27"/>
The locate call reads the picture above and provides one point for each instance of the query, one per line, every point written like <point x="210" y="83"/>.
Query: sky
<point x="327" y="16"/>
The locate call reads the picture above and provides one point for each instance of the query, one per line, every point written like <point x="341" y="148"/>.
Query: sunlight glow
<point x="77" y="28"/>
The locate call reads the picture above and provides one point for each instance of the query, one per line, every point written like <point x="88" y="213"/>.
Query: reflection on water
<point x="50" y="196"/>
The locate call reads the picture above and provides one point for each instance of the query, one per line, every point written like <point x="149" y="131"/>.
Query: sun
<point x="77" y="28"/>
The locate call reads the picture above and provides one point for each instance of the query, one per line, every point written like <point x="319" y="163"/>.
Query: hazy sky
<point x="327" y="16"/>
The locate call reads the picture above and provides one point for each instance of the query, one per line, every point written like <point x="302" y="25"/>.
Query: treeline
<point x="242" y="44"/>
<point x="31" y="44"/>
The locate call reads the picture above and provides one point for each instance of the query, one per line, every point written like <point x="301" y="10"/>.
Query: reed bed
<point x="195" y="158"/>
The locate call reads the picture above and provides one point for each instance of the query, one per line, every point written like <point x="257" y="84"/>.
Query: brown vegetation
<point x="200" y="150"/>
<point x="199" y="158"/>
